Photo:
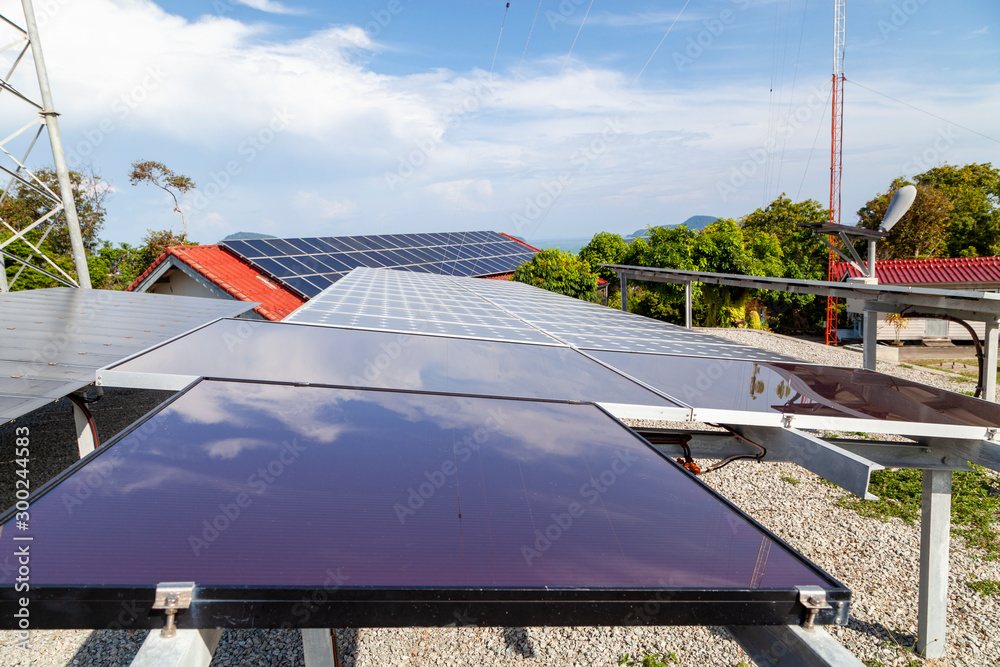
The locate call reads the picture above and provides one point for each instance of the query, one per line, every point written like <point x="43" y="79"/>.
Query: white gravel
<point x="878" y="561"/>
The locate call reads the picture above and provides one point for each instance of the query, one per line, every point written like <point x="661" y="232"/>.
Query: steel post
<point x="623" y="282"/>
<point x="935" y="527"/>
<point x="688" y="314"/>
<point x="55" y="139"/>
<point x="992" y="337"/>
<point x="870" y="338"/>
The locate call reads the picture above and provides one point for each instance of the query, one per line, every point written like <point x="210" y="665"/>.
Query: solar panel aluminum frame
<point x="336" y="605"/>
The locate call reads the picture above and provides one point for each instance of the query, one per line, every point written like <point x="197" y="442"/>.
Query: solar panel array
<point x="503" y="310"/>
<point x="310" y="265"/>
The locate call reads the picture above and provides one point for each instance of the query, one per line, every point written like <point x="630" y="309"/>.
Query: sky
<point x="551" y="119"/>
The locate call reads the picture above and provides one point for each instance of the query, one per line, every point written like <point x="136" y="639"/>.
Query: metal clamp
<point x="813" y="598"/>
<point x="171" y="596"/>
<point x="991" y="434"/>
<point x="786" y="421"/>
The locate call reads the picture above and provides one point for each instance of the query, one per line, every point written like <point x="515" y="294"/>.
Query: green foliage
<point x="975" y="503"/>
<point x="157" y="173"/>
<point x="985" y="586"/>
<point x="804" y="256"/>
<point x="722" y="247"/>
<point x="117" y="267"/>
<point x="920" y="232"/>
<point x="794" y="481"/>
<point x="605" y="248"/>
<point x="956" y="214"/>
<point x="23" y="206"/>
<point x="974" y="192"/>
<point x="561" y="272"/>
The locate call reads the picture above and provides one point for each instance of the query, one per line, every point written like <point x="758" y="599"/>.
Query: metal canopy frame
<point x="973" y="305"/>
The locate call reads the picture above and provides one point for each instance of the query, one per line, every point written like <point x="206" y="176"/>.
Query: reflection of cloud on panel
<point x="230" y="448"/>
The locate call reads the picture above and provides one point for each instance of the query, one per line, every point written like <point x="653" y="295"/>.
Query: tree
<point x="974" y="192"/>
<point x="560" y="272"/>
<point x="918" y="234"/>
<point x="117" y="267"/>
<point x="605" y="248"/>
<point x="23" y="206"/>
<point x="722" y="247"/>
<point x="804" y="256"/>
<point x="159" y="175"/>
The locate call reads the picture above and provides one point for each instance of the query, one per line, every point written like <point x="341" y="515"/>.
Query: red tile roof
<point x="233" y="275"/>
<point x="931" y="271"/>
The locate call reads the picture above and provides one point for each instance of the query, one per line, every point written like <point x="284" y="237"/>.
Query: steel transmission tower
<point x="20" y="178"/>
<point x="836" y="152"/>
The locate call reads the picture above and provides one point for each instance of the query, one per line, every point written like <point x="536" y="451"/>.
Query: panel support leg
<point x="688" y="315"/>
<point x="772" y="645"/>
<point x="623" y="282"/>
<point x="935" y="527"/>
<point x="870" y="338"/>
<point x="319" y="647"/>
<point x="85" y="436"/>
<point x="188" y="648"/>
<point x="990" y="360"/>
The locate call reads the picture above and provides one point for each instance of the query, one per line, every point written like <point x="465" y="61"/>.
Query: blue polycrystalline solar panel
<point x="309" y="265"/>
<point x="404" y="301"/>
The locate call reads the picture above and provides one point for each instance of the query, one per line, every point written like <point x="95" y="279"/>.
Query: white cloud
<point x="133" y="81"/>
<point x="270" y="6"/>
<point x="312" y="204"/>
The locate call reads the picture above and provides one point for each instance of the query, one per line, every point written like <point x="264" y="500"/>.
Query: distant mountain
<point x="699" y="221"/>
<point x="695" y="222"/>
<point x="244" y="236"/>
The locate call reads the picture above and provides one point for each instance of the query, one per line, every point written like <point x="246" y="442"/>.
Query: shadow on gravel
<point x="52" y="433"/>
<point x="519" y="642"/>
<point x="347" y="646"/>
<point x="879" y="631"/>
<point x="109" y="647"/>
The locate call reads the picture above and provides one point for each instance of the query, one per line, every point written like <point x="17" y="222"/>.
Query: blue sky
<point x="300" y="118"/>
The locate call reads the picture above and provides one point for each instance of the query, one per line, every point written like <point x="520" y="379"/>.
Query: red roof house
<point x="968" y="273"/>
<point x="953" y="272"/>
<point x="210" y="270"/>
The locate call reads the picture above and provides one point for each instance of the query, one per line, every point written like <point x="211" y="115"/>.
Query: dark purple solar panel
<point x="238" y="349"/>
<point x="805" y="389"/>
<point x="250" y="485"/>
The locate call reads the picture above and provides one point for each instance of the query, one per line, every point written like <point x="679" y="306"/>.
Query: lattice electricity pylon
<point x="21" y="177"/>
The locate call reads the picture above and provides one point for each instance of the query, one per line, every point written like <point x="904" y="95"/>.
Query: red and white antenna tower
<point x="836" y="152"/>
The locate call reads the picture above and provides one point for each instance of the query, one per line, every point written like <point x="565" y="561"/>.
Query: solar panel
<point x="557" y="318"/>
<point x="712" y="375"/>
<point x="401" y="509"/>
<point x="297" y="262"/>
<point x="802" y="389"/>
<point x="278" y="352"/>
<point x="55" y="339"/>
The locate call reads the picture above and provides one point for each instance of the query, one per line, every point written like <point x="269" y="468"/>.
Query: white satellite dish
<point x="900" y="204"/>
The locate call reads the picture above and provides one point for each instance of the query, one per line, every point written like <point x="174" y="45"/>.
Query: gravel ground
<point x="877" y="560"/>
